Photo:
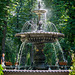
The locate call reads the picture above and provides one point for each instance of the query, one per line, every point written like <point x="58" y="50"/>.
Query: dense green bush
<point x="73" y="66"/>
<point x="1" y="72"/>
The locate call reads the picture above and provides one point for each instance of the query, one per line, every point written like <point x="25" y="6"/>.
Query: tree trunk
<point x="5" y="28"/>
<point x="4" y="37"/>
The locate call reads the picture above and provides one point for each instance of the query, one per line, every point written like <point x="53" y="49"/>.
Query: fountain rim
<point x="39" y="33"/>
<point x="37" y="71"/>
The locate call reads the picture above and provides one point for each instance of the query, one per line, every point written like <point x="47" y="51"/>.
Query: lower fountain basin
<point x="36" y="72"/>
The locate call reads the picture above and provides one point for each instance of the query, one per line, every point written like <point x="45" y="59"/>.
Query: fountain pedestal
<point x="39" y="57"/>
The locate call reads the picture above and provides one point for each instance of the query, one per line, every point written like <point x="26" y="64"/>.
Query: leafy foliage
<point x="73" y="66"/>
<point x="18" y="13"/>
<point x="1" y="72"/>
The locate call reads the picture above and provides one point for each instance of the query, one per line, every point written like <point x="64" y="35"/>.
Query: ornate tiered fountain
<point x="38" y="37"/>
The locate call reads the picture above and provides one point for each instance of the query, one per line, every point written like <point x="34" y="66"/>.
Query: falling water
<point x="55" y="28"/>
<point x="20" y="52"/>
<point x="51" y="27"/>
<point x="60" y="48"/>
<point x="45" y="18"/>
<point x="30" y="26"/>
<point x="55" y="51"/>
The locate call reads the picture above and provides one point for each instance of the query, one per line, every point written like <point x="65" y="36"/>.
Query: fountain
<point x="38" y="38"/>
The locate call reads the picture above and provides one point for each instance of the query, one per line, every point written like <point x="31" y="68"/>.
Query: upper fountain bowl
<point x="39" y="12"/>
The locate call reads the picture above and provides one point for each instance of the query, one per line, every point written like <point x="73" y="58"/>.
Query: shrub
<point x="1" y="72"/>
<point x="73" y="66"/>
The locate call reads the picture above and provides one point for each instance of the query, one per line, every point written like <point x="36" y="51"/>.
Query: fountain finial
<point x="39" y="6"/>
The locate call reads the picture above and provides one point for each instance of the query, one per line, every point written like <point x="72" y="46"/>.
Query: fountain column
<point x="39" y="57"/>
